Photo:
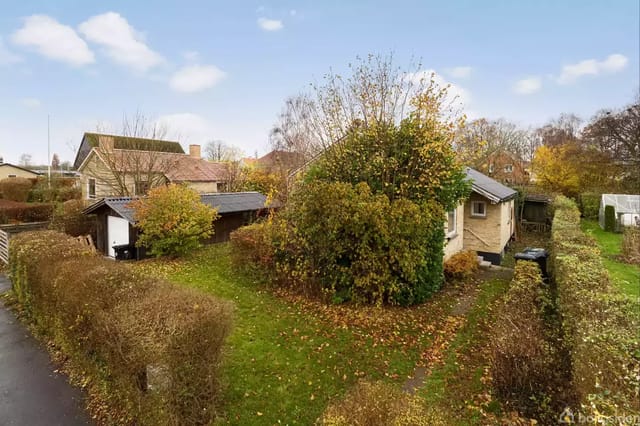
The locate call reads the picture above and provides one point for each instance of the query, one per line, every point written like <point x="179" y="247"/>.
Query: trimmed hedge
<point x="590" y="205"/>
<point x="525" y="359"/>
<point x="146" y="349"/>
<point x="599" y="324"/>
<point x="25" y="212"/>
<point x="609" y="219"/>
<point x="16" y="188"/>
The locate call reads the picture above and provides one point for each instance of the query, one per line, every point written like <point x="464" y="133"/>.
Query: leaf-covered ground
<point x="289" y="356"/>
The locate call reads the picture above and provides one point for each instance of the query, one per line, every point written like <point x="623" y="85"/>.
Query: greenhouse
<point x="627" y="209"/>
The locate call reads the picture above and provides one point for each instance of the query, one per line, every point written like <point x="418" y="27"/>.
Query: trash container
<point x="124" y="251"/>
<point x="538" y="255"/>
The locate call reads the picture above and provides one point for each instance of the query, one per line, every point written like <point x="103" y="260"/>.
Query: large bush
<point x="68" y="218"/>
<point x="148" y="351"/>
<point x="173" y="220"/>
<point x="598" y="323"/>
<point x="15" y="189"/>
<point x="590" y="205"/>
<point x="461" y="265"/>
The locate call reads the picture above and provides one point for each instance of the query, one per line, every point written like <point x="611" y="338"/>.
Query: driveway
<point x="31" y="393"/>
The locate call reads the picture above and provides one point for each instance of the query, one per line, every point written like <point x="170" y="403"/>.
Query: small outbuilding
<point x="116" y="224"/>
<point x="626" y="206"/>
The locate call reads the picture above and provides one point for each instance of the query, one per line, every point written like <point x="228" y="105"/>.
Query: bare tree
<point x="217" y="150"/>
<point x="138" y="163"/>
<point x="375" y="91"/>
<point x="25" y="160"/>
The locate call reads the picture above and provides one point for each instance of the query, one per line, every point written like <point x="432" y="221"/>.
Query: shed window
<point x="451" y="224"/>
<point x="91" y="191"/>
<point x="12" y="176"/>
<point x="478" y="209"/>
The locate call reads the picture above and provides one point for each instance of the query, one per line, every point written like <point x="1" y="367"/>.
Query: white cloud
<point x="122" y="43"/>
<point x="53" y="40"/>
<point x="457" y="96"/>
<point x="460" y="72"/>
<point x="30" y="102"/>
<point x="195" y="78"/>
<point x="6" y="56"/>
<point x="527" y="86"/>
<point x="612" y="64"/>
<point x="270" y="24"/>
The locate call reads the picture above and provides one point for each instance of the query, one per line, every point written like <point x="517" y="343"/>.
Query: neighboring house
<point x="276" y="161"/>
<point x="112" y="165"/>
<point x="506" y="168"/>
<point x="488" y="221"/>
<point x="10" y="171"/>
<point x="626" y="207"/>
<point x="116" y="223"/>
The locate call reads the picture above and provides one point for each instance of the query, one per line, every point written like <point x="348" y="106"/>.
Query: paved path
<point x="31" y="394"/>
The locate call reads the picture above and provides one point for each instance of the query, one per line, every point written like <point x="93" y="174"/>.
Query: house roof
<point x="489" y="188"/>
<point x="91" y="140"/>
<point x="224" y="202"/>
<point x="18" y="167"/>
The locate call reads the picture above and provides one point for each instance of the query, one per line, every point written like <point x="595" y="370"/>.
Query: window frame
<point x="475" y="203"/>
<point x="454" y="232"/>
<point x="508" y="168"/>
<point x="91" y="182"/>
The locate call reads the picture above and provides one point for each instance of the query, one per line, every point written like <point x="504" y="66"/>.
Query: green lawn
<point x="288" y="357"/>
<point x="624" y="275"/>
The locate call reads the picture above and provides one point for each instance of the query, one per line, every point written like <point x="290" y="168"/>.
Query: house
<point x="276" y="161"/>
<point x="485" y="221"/>
<point x="626" y="207"/>
<point x="111" y="165"/>
<point x="506" y="168"/>
<point x="116" y="225"/>
<point x="10" y="171"/>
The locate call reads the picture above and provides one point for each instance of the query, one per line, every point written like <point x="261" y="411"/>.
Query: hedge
<point x="16" y="188"/>
<point x="25" y="212"/>
<point x="609" y="219"/>
<point x="147" y="350"/>
<point x="599" y="324"/>
<point x="524" y="356"/>
<point x="590" y="205"/>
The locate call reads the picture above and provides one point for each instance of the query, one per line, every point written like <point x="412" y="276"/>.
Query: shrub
<point x="356" y="245"/>
<point x="609" y="219"/>
<point x="68" y="218"/>
<point x="523" y="357"/>
<point x="15" y="189"/>
<point x="173" y="220"/>
<point x="25" y="212"/>
<point x="379" y="403"/>
<point x="631" y="245"/>
<point x="461" y="265"/>
<point x="598" y="323"/>
<point x="149" y="350"/>
<point x="590" y="205"/>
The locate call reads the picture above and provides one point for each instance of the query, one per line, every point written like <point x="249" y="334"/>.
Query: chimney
<point x="105" y="143"/>
<point x="194" y="151"/>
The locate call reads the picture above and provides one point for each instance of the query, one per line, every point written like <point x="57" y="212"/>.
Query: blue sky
<point x="221" y="70"/>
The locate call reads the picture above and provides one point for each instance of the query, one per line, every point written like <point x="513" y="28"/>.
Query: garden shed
<point x="626" y="206"/>
<point x="116" y="223"/>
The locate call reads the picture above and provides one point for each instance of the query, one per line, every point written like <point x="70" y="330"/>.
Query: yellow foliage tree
<point x="555" y="171"/>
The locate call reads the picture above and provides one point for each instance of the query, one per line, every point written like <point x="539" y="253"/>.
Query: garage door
<point x="117" y="232"/>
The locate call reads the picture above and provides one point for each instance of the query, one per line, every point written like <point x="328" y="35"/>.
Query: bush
<point x="15" y="189"/>
<point x="598" y="323"/>
<point x="590" y="205"/>
<point x="631" y="245"/>
<point x="355" y="245"/>
<point x="523" y="356"/>
<point x="461" y="265"/>
<point x="609" y="219"/>
<point x="68" y="218"/>
<point x="379" y="403"/>
<point x="25" y="212"/>
<point x="173" y="220"/>
<point x="149" y="350"/>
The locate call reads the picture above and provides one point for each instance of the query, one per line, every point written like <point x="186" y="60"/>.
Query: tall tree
<point x="25" y="160"/>
<point x="217" y="150"/>
<point x="55" y="162"/>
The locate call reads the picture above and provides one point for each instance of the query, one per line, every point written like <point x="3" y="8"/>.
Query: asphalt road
<point x="31" y="393"/>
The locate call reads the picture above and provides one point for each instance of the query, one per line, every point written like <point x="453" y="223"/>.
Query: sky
<point x="221" y="70"/>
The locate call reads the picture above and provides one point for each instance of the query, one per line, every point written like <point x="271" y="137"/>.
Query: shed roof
<point x="225" y="202"/>
<point x="489" y="188"/>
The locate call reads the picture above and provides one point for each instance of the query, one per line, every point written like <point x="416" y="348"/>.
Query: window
<point x="508" y="168"/>
<point x="451" y="223"/>
<point x="490" y="168"/>
<point x="142" y="187"/>
<point x="478" y="209"/>
<point x="91" y="190"/>
<point x="12" y="176"/>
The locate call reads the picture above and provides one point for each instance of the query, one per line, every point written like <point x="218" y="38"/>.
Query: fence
<point x="6" y="231"/>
